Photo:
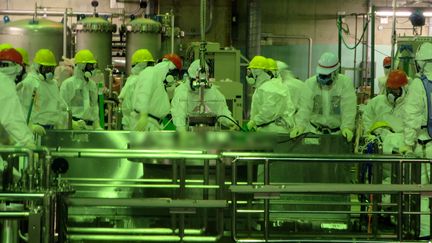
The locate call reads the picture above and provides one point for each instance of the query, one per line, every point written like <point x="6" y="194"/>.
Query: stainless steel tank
<point x="95" y="34"/>
<point x="142" y="33"/>
<point x="34" y="35"/>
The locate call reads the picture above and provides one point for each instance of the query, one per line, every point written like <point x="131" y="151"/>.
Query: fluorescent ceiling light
<point x="399" y="14"/>
<point x="390" y="13"/>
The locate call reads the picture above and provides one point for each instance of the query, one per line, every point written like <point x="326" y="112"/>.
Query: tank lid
<point x="40" y="25"/>
<point x="143" y="25"/>
<point x="95" y="24"/>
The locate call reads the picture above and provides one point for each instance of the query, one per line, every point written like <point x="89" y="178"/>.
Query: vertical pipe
<point x="393" y="40"/>
<point x="172" y="31"/>
<point x="399" y="203"/>
<point x="355" y="53"/>
<point x="233" y="199"/>
<point x="266" y="201"/>
<point x="372" y="68"/>
<point x="205" y="190"/>
<point x="340" y="41"/>
<point x="65" y="17"/>
<point x="310" y="57"/>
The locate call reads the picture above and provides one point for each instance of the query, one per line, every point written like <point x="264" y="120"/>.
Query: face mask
<point x="171" y="76"/>
<point x="395" y="96"/>
<point x="325" y="79"/>
<point x="170" y="79"/>
<point x="49" y="76"/>
<point x="89" y="70"/>
<point x="250" y="80"/>
<point x="11" y="71"/>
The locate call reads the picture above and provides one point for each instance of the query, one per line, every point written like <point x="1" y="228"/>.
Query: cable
<point x="295" y="138"/>
<point x="229" y="118"/>
<point x="340" y="28"/>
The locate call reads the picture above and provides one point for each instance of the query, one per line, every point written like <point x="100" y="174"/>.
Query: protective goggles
<point x="89" y="67"/>
<point x="395" y="92"/>
<point x="46" y="69"/>
<point x="325" y="79"/>
<point x="173" y="72"/>
<point x="6" y="64"/>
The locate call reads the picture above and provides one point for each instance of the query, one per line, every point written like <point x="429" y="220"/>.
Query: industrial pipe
<point x="393" y="37"/>
<point x="10" y="214"/>
<point x="65" y="20"/>
<point x="144" y="238"/>
<point x="92" y="230"/>
<point x="308" y="38"/>
<point x="21" y="196"/>
<point x="328" y="158"/>
<point x="210" y="23"/>
<point x="52" y="13"/>
<point x="29" y="153"/>
<point x="172" y="30"/>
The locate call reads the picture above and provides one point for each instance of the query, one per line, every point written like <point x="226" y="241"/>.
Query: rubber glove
<point x="405" y="149"/>
<point x="348" y="134"/>
<point x="369" y="137"/>
<point x="79" y="125"/>
<point x="296" y="131"/>
<point x="251" y="125"/>
<point x="142" y="122"/>
<point x="38" y="129"/>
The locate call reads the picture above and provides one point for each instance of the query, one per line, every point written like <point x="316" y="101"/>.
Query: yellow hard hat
<point x="84" y="56"/>
<point x="4" y="46"/>
<point x="142" y="55"/>
<point x="380" y="124"/>
<point x="272" y="64"/>
<point x="24" y="55"/>
<point x="259" y="62"/>
<point x="45" y="57"/>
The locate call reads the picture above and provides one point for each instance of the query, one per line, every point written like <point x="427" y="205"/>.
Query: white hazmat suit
<point x="48" y="107"/>
<point x="150" y="96"/>
<point x="81" y="96"/>
<point x="334" y="106"/>
<point x="126" y="96"/>
<point x="12" y="117"/>
<point x="185" y="100"/>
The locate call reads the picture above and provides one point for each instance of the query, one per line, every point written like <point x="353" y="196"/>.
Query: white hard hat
<point x="327" y="63"/>
<point x="424" y="52"/>
<point x="194" y="68"/>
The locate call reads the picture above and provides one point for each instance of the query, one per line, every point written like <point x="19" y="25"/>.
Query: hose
<point x="233" y="121"/>
<point x="339" y="25"/>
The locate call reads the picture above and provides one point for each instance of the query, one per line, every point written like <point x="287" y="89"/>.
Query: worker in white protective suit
<point x="416" y="123"/>
<point x="334" y="99"/>
<point x="150" y="99"/>
<point x="186" y="99"/>
<point x="40" y="95"/>
<point x="384" y="114"/>
<point x="383" y="119"/>
<point x="271" y="109"/>
<point x="64" y="70"/>
<point x="383" y="80"/>
<point x="301" y="96"/>
<point x="81" y="94"/>
<point x="12" y="119"/>
<point x="141" y="59"/>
